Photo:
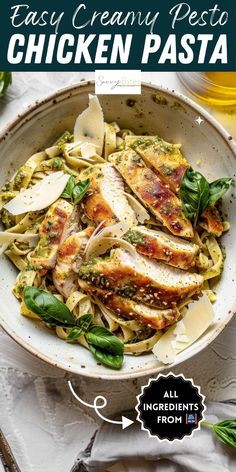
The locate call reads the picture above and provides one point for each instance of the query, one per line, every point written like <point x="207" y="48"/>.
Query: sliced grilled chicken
<point x="141" y="279"/>
<point x="212" y="222"/>
<point x="60" y="219"/>
<point x="105" y="199"/>
<point x="164" y="157"/>
<point x="163" y="247"/>
<point x="69" y="258"/>
<point x="157" y="319"/>
<point x="170" y="163"/>
<point x="154" y="194"/>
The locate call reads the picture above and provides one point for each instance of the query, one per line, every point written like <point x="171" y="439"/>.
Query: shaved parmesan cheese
<point x="96" y="242"/>
<point x="39" y="196"/>
<point x="89" y="126"/>
<point x="7" y="238"/>
<point x="87" y="150"/>
<point x="141" y="213"/>
<point x="198" y="318"/>
<point x="115" y="126"/>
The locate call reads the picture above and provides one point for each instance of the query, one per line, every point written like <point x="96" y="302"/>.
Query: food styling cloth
<point x="135" y="451"/>
<point x="46" y="427"/>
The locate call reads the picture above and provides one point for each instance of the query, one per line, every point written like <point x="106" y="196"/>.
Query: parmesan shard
<point x="7" y="238"/>
<point x="40" y="195"/>
<point x="89" y="126"/>
<point x="198" y="318"/>
<point x="87" y="150"/>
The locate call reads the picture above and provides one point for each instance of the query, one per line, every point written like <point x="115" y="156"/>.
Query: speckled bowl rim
<point x="63" y="94"/>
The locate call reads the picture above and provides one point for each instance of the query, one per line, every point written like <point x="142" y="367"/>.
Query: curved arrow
<point x="125" y="422"/>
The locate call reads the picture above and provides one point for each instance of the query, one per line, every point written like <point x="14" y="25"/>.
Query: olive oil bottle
<point x="215" y="88"/>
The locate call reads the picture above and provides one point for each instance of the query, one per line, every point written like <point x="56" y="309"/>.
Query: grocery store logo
<point x="170" y="407"/>
<point x="117" y="82"/>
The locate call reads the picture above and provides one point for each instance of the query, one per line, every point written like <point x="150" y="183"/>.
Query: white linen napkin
<point x="137" y="452"/>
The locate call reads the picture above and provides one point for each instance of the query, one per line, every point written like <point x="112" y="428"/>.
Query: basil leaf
<point x="107" y="359"/>
<point x="85" y="321"/>
<point x="104" y="339"/>
<point x="218" y="188"/>
<point x="68" y="190"/>
<point x="47" y="306"/>
<point x="80" y="190"/>
<point x="5" y="81"/>
<point x="225" y="431"/>
<point x="194" y="194"/>
<point x="75" y="333"/>
<point x="29" y="299"/>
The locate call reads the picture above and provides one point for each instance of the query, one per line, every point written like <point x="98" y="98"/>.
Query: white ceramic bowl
<point x="157" y="111"/>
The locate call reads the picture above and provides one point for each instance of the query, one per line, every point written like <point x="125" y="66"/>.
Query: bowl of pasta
<point x="118" y="229"/>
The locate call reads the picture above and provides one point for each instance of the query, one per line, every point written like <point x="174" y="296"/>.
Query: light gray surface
<point x="43" y="425"/>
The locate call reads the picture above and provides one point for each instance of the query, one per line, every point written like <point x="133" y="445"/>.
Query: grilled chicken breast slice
<point x="105" y="199"/>
<point x="69" y="258"/>
<point x="163" y="247"/>
<point x="153" y="193"/>
<point x="141" y="279"/>
<point x="171" y="165"/>
<point x="154" y="318"/>
<point x="54" y="228"/>
<point x="164" y="157"/>
<point x="212" y="222"/>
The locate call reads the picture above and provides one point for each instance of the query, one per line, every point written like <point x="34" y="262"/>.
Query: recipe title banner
<point x="153" y="35"/>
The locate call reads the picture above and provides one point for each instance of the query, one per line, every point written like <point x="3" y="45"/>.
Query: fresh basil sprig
<point x="104" y="339"/>
<point x="48" y="307"/>
<point x="82" y="325"/>
<point x="68" y="190"/>
<point x="197" y="194"/>
<point x="194" y="194"/>
<point x="225" y="431"/>
<point x="5" y="81"/>
<point x="218" y="188"/>
<point x="75" y="192"/>
<point x="105" y="346"/>
<point x="113" y="361"/>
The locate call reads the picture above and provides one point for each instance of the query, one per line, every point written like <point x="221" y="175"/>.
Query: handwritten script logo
<point x="117" y="82"/>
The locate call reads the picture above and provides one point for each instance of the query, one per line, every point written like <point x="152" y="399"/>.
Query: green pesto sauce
<point x="87" y="271"/>
<point x="162" y="146"/>
<point x="134" y="237"/>
<point x="144" y="143"/>
<point x="136" y="158"/>
<point x="19" y="177"/>
<point x="67" y="137"/>
<point x="57" y="163"/>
